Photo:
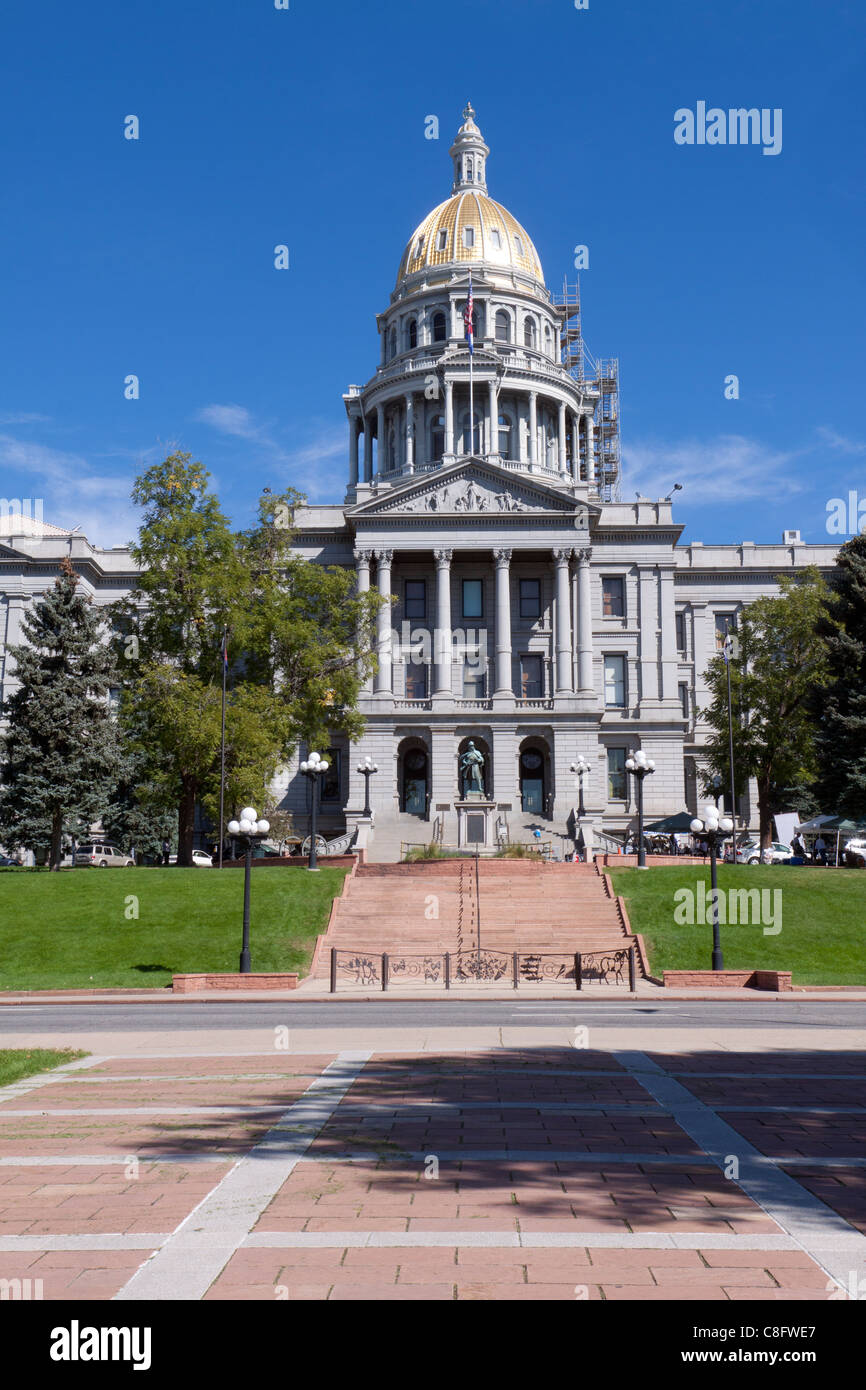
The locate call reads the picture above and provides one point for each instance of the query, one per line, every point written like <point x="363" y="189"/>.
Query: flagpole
<point x="224" y="656"/>
<point x="731" y="748"/>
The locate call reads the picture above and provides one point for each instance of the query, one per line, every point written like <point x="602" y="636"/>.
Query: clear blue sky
<point x="306" y="127"/>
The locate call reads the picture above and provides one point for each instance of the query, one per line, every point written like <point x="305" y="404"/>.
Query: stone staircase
<point x="433" y="907"/>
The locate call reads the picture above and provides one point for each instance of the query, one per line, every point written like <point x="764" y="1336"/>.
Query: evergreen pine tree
<point x="839" y="709"/>
<point x="59" y="751"/>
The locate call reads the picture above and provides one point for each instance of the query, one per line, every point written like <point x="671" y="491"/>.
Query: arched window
<point x="412" y="333"/>
<point x="469" y="169"/>
<point x="505" y="428"/>
<point x="529" y="334"/>
<point x="503" y="326"/>
<point x="392" y="342"/>
<point x="439" y="327"/>
<point x="437" y="437"/>
<point x="392" y="445"/>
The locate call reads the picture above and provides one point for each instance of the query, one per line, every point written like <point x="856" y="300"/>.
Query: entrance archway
<point x="534" y="776"/>
<point x="414" y="772"/>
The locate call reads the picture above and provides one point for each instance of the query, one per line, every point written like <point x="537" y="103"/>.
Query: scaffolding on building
<point x="598" y="375"/>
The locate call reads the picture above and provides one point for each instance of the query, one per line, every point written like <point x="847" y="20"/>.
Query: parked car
<point x="855" y="854"/>
<point x="200" y="859"/>
<point x="102" y="856"/>
<point x="780" y="854"/>
<point x="745" y="849"/>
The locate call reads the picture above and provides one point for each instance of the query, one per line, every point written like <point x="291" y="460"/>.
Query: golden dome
<point x="469" y="228"/>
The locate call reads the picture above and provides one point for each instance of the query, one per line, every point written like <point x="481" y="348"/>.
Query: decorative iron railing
<point x="444" y="968"/>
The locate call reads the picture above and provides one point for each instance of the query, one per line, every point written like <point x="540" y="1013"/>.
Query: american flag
<point x="467" y="320"/>
<point x="728" y="647"/>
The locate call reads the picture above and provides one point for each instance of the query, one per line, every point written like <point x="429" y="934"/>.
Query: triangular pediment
<point x="472" y="487"/>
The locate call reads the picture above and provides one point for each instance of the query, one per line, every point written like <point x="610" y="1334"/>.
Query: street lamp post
<point x="313" y="768"/>
<point x="714" y="826"/>
<point x="366" y="769"/>
<point x="640" y="766"/>
<point x="581" y="767"/>
<point x="250" y="830"/>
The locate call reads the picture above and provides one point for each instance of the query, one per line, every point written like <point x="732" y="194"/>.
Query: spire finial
<point x="469" y="153"/>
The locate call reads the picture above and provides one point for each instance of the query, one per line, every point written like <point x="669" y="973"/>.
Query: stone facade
<point x="531" y="610"/>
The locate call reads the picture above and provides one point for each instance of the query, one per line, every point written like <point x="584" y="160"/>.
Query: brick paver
<point x="357" y="1185"/>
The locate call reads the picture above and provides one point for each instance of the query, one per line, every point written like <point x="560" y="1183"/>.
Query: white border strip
<point x="194" y="1256"/>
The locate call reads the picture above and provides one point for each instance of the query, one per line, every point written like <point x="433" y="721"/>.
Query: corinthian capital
<point x="502" y="557"/>
<point x="442" y="557"/>
<point x="384" y="556"/>
<point x="584" y="556"/>
<point x="562" y="554"/>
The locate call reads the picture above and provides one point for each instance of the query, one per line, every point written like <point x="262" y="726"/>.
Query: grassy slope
<point x="18" y="1062"/>
<point x="70" y="930"/>
<point x="823" y="936"/>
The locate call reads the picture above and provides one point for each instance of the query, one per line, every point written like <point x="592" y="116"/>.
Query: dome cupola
<point x="469" y="153"/>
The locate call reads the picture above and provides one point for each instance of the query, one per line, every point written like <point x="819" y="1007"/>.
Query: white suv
<point x="776" y="854"/>
<point x="855" y="853"/>
<point x="102" y="856"/>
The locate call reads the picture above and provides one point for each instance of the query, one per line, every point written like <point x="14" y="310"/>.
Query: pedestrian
<point x="820" y="850"/>
<point x="166" y="851"/>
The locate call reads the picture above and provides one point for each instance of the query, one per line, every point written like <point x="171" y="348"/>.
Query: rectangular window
<point x="331" y="779"/>
<point x="684" y="699"/>
<point x="472" y="598"/>
<point x="415" y="599"/>
<point x="681" y="632"/>
<point x="614" y="681"/>
<point x="442" y="241"/>
<point x="616" y="788"/>
<point x="518" y="246"/>
<point x="613" y="596"/>
<point x="531" y="678"/>
<point x="496" y="238"/>
<point x="416" y="680"/>
<point x="473" y="680"/>
<point x="530" y="599"/>
<point x="725" y="623"/>
<point x="468" y="237"/>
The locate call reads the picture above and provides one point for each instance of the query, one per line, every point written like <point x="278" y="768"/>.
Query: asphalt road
<point x="194" y="1017"/>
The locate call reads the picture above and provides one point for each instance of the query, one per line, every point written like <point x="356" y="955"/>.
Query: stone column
<point x="449" y="417"/>
<point x="503" y="624"/>
<point x="383" y="623"/>
<point x="575" y="448"/>
<point x="563" y="623"/>
<point x="362" y="569"/>
<point x="381" y="441"/>
<point x="442" y="638"/>
<point x="410" y="438"/>
<point x="368" y="449"/>
<point x="533" y="427"/>
<point x="584" y="622"/>
<point x="353" y="451"/>
<point x="590" y="450"/>
<point x="493" y="412"/>
<point x="563" y="454"/>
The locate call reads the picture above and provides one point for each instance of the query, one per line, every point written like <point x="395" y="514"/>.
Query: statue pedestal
<point x="476" y="822"/>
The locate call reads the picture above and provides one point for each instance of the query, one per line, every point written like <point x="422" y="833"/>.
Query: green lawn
<point x="18" y="1062"/>
<point x="823" y="921"/>
<point x="79" y="929"/>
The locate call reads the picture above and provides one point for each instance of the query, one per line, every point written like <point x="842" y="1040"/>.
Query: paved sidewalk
<point x="532" y="1170"/>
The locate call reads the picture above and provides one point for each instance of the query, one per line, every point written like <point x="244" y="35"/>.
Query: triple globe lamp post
<point x="712" y="827"/>
<point x="250" y="830"/>
<point x="639" y="766"/>
<point x="314" y="767"/>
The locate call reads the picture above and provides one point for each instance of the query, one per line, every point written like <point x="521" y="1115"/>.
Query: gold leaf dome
<point x="494" y="238"/>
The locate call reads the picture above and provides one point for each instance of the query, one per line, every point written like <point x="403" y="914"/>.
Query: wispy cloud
<point x="22" y="418"/>
<point x="311" y="465"/>
<point x="727" y="468"/>
<point x="840" y="443"/>
<point x="72" y="493"/>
